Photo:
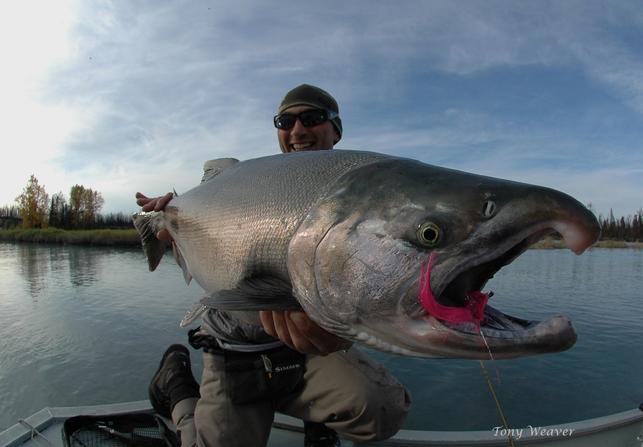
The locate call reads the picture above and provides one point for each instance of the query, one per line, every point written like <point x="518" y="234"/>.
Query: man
<point x="341" y="389"/>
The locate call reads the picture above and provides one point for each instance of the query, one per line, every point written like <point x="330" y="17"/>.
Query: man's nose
<point x="298" y="128"/>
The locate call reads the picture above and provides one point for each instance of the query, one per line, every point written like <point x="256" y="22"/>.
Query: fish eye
<point x="428" y="234"/>
<point x="489" y="209"/>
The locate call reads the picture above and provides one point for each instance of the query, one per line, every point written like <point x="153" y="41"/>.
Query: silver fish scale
<point x="240" y="222"/>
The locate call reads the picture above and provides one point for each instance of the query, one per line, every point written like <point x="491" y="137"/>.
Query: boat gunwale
<point x="29" y="427"/>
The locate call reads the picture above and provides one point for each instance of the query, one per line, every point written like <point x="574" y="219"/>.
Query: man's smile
<point x="301" y="146"/>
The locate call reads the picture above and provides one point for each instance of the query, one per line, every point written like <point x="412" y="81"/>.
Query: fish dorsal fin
<point x="255" y="293"/>
<point x="212" y="168"/>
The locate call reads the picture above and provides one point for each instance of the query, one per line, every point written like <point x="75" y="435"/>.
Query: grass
<point x="124" y="237"/>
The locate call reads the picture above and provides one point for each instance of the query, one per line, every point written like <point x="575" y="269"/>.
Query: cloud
<point x="604" y="172"/>
<point x="33" y="131"/>
<point x="141" y="94"/>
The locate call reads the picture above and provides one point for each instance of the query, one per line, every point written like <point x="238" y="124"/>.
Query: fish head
<point x="395" y="256"/>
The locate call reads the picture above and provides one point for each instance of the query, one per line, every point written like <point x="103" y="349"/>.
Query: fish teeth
<point x="362" y="336"/>
<point x="400" y="351"/>
<point x="368" y="339"/>
<point x="381" y="345"/>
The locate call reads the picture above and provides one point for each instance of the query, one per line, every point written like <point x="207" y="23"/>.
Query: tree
<point x="57" y="210"/>
<point x="93" y="202"/>
<point x="84" y="206"/>
<point x="32" y="204"/>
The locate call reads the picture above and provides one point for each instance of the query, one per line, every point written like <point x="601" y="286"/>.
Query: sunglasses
<point x="307" y="118"/>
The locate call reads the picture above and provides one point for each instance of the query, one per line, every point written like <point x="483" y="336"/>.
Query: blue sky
<point x="134" y="96"/>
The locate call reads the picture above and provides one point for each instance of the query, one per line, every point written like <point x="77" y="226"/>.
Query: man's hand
<point x="301" y="333"/>
<point x="155" y="204"/>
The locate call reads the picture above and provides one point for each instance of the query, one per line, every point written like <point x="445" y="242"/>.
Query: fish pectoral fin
<point x="180" y="260"/>
<point x="255" y="293"/>
<point x="191" y="315"/>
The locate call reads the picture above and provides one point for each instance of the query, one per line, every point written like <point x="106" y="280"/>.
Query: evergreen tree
<point x="56" y="210"/>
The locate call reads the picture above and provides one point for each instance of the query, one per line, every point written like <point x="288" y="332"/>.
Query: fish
<point x="385" y="251"/>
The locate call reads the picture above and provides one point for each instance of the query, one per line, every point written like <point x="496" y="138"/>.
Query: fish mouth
<point x="459" y="280"/>
<point x="458" y="293"/>
<point x="471" y="276"/>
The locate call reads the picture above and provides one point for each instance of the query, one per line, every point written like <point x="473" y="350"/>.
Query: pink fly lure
<point x="472" y="312"/>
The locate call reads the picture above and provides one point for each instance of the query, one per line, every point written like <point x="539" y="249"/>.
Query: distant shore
<point x="125" y="237"/>
<point x="130" y="238"/>
<point x="557" y="243"/>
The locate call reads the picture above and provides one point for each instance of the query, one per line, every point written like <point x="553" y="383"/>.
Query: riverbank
<point x="125" y="237"/>
<point x="549" y="243"/>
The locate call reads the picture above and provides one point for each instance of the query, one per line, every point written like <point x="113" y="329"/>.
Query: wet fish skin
<point x="336" y="233"/>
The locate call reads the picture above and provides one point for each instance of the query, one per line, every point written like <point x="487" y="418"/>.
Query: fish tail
<point x="146" y="225"/>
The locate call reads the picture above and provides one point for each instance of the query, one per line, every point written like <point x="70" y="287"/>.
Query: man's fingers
<point x="267" y="322"/>
<point x="276" y="323"/>
<point x="324" y="341"/>
<point x="301" y="340"/>
<point x="282" y="329"/>
<point x="153" y="204"/>
<point x="163" y="235"/>
<point x="296" y="330"/>
<point x="162" y="201"/>
<point x="141" y="199"/>
<point x="149" y="206"/>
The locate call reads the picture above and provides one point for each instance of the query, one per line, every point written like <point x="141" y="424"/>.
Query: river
<point x="85" y="325"/>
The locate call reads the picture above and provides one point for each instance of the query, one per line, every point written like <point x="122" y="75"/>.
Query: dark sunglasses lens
<point x="311" y="118"/>
<point x="307" y="118"/>
<point x="285" y="121"/>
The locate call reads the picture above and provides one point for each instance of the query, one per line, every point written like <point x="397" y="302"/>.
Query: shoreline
<point x="554" y="244"/>
<point x="103" y="237"/>
<point x="129" y="238"/>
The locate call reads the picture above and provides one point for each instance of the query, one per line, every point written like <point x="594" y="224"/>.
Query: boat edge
<point x="29" y="428"/>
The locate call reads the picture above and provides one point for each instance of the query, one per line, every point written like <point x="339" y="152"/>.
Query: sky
<point x="123" y="97"/>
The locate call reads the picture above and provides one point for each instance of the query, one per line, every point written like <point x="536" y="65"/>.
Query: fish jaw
<point x="428" y="337"/>
<point x="418" y="330"/>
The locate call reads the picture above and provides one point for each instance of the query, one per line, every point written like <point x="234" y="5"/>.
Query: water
<point x="84" y="326"/>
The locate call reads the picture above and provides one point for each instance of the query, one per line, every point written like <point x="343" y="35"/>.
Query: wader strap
<point x="201" y="340"/>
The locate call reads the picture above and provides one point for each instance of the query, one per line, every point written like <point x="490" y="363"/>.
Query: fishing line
<point x="493" y="393"/>
<point x="487" y="345"/>
<point x="491" y="356"/>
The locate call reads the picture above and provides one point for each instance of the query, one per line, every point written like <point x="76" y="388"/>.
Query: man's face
<point x="300" y="138"/>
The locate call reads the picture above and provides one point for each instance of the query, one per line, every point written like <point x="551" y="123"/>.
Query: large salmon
<point x="385" y="251"/>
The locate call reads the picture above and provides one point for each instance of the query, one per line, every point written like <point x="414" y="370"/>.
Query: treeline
<point x="628" y="228"/>
<point x="80" y="211"/>
<point x="62" y="218"/>
<point x="34" y="209"/>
